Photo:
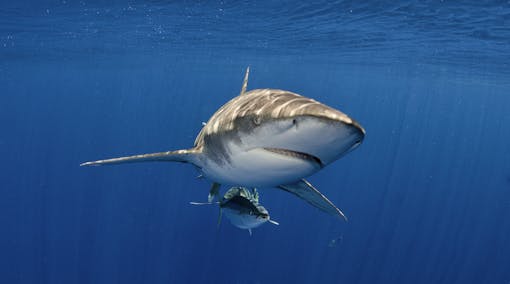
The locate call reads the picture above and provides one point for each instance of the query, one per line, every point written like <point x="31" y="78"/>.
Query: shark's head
<point x="299" y="126"/>
<point x="269" y="137"/>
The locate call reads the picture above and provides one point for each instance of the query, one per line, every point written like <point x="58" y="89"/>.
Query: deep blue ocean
<point x="427" y="194"/>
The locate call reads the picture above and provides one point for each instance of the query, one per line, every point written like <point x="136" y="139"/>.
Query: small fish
<point x="334" y="242"/>
<point x="241" y="206"/>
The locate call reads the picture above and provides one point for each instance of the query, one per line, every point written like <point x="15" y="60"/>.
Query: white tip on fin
<point x="273" y="222"/>
<point x="214" y="191"/>
<point x="245" y="82"/>
<point x="249" y="230"/>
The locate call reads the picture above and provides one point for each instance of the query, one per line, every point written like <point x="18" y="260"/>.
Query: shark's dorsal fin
<point x="245" y="82"/>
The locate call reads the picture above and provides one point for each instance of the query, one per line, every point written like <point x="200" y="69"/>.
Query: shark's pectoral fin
<point x="183" y="156"/>
<point x="304" y="190"/>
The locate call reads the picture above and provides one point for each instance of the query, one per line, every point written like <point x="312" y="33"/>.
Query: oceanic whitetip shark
<point x="266" y="138"/>
<point x="241" y="206"/>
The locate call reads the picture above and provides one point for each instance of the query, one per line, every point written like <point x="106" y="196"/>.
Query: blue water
<point x="427" y="194"/>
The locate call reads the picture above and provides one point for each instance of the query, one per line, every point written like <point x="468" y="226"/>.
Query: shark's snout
<point x="359" y="128"/>
<point x="358" y="134"/>
<point x="329" y="114"/>
<point x="325" y="132"/>
<point x="357" y="131"/>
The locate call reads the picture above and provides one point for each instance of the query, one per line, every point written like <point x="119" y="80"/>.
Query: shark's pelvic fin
<point x="304" y="190"/>
<point x="183" y="156"/>
<point x="273" y="222"/>
<point x="219" y="218"/>
<point x="214" y="191"/>
<point x="249" y="230"/>
<point x="245" y="82"/>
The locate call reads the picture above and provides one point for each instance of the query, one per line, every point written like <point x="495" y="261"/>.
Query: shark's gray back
<point x="261" y="103"/>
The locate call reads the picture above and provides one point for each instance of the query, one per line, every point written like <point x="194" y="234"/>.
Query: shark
<point x="266" y="138"/>
<point x="241" y="206"/>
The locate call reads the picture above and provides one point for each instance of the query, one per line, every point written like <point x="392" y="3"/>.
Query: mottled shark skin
<point x="267" y="138"/>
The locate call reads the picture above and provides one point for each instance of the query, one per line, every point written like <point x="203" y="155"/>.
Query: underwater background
<point x="427" y="194"/>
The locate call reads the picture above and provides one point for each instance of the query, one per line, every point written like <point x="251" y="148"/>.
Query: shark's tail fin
<point x="183" y="156"/>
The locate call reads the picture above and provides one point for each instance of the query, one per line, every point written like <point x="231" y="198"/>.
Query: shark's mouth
<point x="296" y="154"/>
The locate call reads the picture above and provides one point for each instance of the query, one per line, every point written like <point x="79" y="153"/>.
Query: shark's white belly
<point x="259" y="167"/>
